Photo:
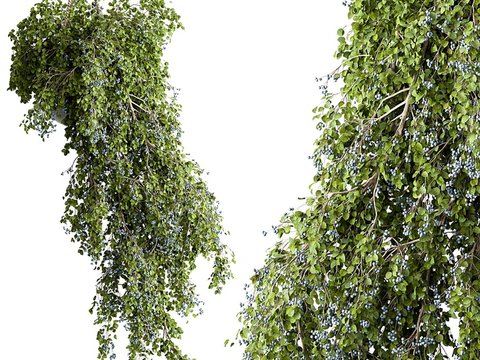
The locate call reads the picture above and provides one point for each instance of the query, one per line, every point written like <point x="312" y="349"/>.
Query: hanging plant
<point x="387" y="250"/>
<point x="135" y="204"/>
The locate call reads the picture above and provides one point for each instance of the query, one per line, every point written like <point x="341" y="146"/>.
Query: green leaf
<point x="290" y="311"/>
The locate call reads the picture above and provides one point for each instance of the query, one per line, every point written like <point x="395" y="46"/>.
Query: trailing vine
<point x="388" y="249"/>
<point x="134" y="204"/>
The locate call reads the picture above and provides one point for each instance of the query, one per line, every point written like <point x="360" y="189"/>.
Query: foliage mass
<point x="135" y="204"/>
<point x="387" y="250"/>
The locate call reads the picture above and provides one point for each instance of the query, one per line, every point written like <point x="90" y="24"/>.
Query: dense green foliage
<point x="387" y="250"/>
<point x="135" y="204"/>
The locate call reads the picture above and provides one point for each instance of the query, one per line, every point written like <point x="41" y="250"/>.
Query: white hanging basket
<point x="59" y="115"/>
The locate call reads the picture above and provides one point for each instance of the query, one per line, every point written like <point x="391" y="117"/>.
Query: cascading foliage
<point x="135" y="204"/>
<point x="387" y="251"/>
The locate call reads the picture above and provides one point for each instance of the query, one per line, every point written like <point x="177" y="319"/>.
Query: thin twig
<point x="300" y="333"/>
<point x="374" y="203"/>
<point x="389" y="97"/>
<point x="391" y="110"/>
<point x="404" y="115"/>
<point x="405" y="110"/>
<point x="65" y="18"/>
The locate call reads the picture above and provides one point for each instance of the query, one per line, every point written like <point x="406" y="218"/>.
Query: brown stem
<point x="405" y="109"/>
<point x="65" y="20"/>
<point x="300" y="333"/>
<point x="404" y="114"/>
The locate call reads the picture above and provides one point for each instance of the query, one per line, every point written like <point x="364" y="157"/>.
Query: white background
<point x="247" y="72"/>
